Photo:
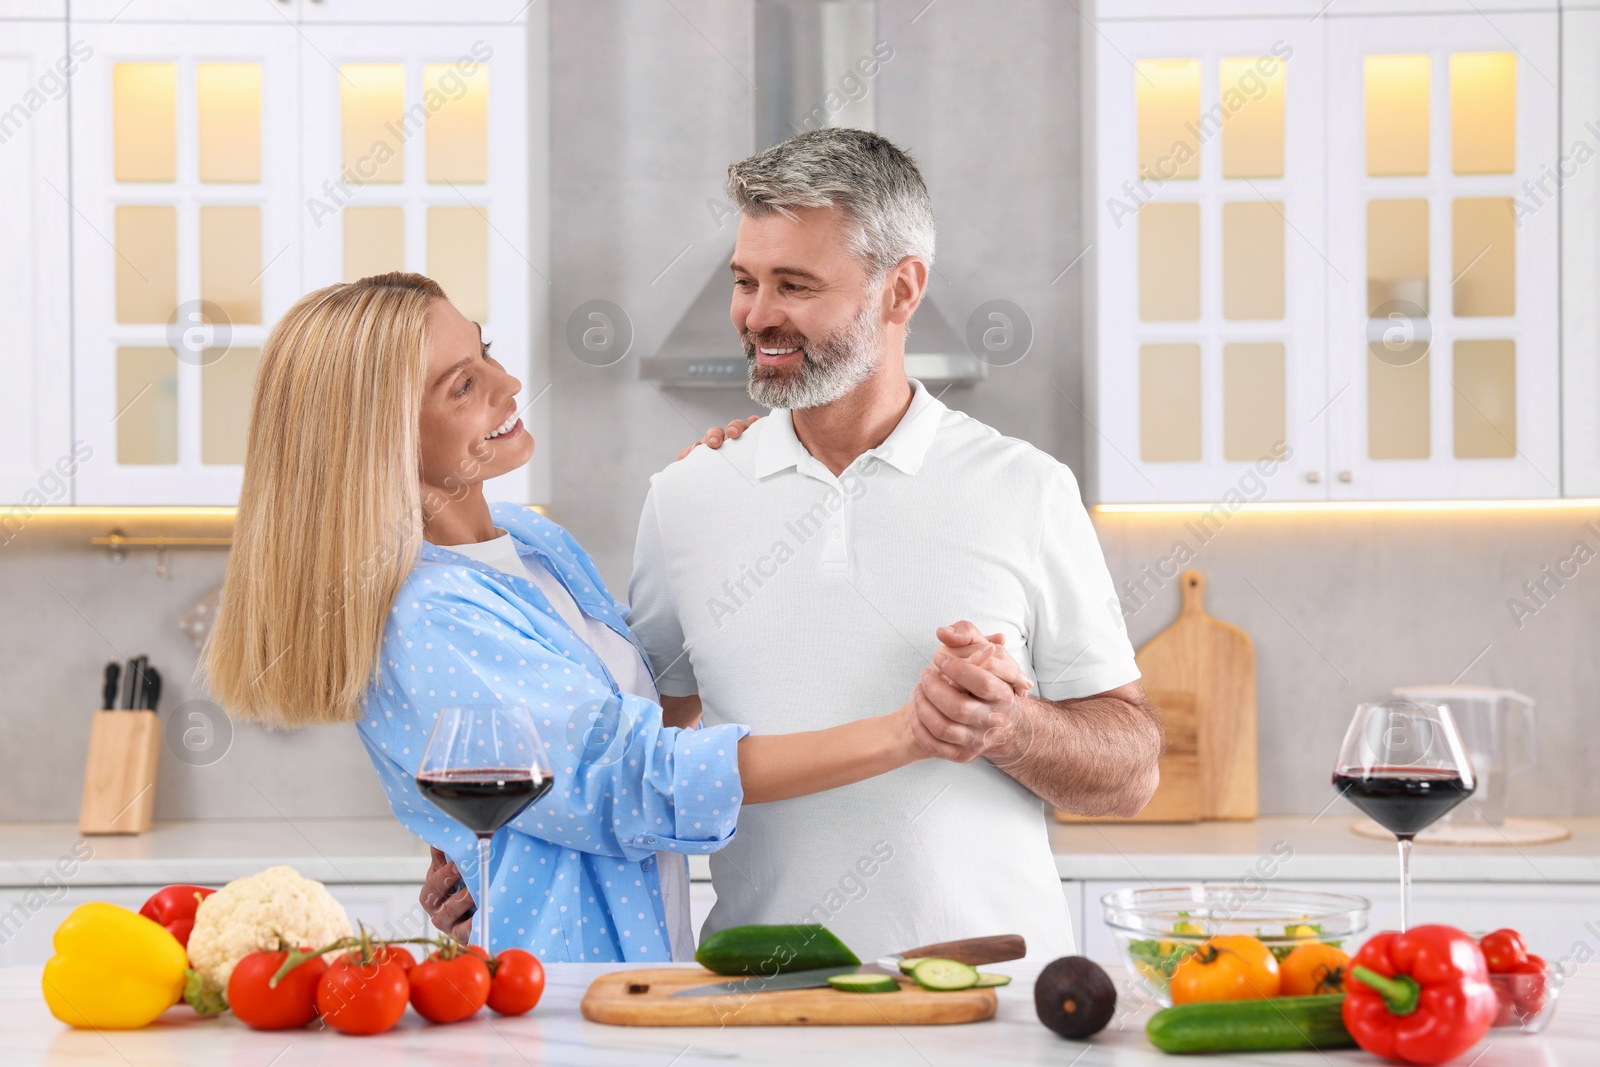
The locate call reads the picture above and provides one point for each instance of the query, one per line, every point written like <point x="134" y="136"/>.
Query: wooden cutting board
<point x="642" y="998"/>
<point x="1216" y="663"/>
<point x="1177" y="798"/>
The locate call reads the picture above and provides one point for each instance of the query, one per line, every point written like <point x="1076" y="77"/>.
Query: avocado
<point x="1075" y="997"/>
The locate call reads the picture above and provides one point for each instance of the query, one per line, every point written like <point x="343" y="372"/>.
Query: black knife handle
<point x="113" y="675"/>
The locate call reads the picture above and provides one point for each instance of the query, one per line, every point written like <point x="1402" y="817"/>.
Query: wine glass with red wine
<point x="483" y="766"/>
<point x="1403" y="764"/>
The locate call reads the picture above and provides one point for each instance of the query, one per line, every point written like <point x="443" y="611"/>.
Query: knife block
<point x="119" y="778"/>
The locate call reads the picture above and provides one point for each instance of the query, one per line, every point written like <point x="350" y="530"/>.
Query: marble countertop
<point x="352" y="851"/>
<point x="1312" y="849"/>
<point x="371" y="851"/>
<point x="556" y="1034"/>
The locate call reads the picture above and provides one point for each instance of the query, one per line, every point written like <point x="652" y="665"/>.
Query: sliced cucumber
<point x="865" y="983"/>
<point x="907" y="966"/>
<point x="944" y="975"/>
<point x="986" y="981"/>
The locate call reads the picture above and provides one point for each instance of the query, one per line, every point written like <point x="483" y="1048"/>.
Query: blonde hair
<point x="330" y="513"/>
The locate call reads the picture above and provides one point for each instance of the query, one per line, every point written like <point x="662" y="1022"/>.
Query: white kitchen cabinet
<point x="187" y="12"/>
<point x="1208" y="332"/>
<point x="29" y="916"/>
<point x="388" y="12"/>
<point x="1549" y="915"/>
<point x="222" y="169"/>
<point x="486" y="12"/>
<point x="417" y="159"/>
<point x="185" y="253"/>
<point x="17" y="11"/>
<point x="702" y="897"/>
<point x="37" y="458"/>
<point x="1238" y="300"/>
<point x="1577" y="177"/>
<point x="1444" y="373"/>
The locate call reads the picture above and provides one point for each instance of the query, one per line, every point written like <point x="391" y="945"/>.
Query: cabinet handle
<point x="1313" y="477"/>
<point x="1344" y="476"/>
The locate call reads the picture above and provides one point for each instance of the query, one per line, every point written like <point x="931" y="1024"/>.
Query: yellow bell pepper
<point x="113" y="969"/>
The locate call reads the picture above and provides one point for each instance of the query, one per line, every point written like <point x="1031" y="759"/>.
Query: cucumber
<point x="772" y="950"/>
<point x="985" y="981"/>
<point x="865" y="983"/>
<point x="1277" y="1023"/>
<point x="944" y="975"/>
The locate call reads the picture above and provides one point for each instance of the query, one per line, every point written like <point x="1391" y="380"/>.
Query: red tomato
<point x="1529" y="995"/>
<point x="290" y="1005"/>
<point x="396" y="954"/>
<point x="518" y="982"/>
<point x="362" y="998"/>
<point x="447" y="991"/>
<point x="1504" y="950"/>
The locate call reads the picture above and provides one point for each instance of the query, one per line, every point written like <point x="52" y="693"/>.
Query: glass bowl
<point x="1156" y="928"/>
<point x="1527" y="1000"/>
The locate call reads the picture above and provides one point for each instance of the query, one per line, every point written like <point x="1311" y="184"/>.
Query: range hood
<point x="805" y="53"/>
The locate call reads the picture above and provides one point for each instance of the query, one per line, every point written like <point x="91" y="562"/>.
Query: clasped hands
<point x="970" y="701"/>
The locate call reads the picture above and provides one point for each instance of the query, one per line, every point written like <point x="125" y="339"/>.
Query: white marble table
<point x="555" y="1034"/>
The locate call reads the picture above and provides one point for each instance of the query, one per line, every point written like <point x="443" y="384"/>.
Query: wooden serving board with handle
<point x="1216" y="662"/>
<point x="643" y="998"/>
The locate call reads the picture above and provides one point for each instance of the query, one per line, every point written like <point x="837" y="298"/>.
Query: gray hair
<point x="875" y="181"/>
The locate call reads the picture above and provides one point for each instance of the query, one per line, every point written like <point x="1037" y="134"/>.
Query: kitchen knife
<point x="140" y="663"/>
<point x="973" y="950"/>
<point x="113" y="676"/>
<point x="129" y="682"/>
<point x="152" y="691"/>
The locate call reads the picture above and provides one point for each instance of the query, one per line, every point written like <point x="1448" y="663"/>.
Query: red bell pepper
<point x="174" y="908"/>
<point x="1422" y="996"/>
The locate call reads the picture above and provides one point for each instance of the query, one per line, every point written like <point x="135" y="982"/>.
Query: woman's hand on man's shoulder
<point x="715" y="435"/>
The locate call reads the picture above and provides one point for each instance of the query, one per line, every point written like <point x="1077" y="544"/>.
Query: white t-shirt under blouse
<point x="627" y="667"/>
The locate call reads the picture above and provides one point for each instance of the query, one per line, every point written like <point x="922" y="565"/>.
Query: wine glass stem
<point x="1405" y="884"/>
<point x="481" y="927"/>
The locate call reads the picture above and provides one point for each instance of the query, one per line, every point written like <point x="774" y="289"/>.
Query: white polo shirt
<point x="792" y="600"/>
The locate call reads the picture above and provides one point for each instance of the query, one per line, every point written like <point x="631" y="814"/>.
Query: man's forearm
<point x="1094" y="756"/>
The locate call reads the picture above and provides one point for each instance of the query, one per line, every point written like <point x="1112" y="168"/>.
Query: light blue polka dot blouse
<point x="574" y="877"/>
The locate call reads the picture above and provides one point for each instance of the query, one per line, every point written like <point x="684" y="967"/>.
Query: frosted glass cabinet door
<point x="37" y="461"/>
<point x="186" y="251"/>
<point x="1207" y="215"/>
<point x="416" y="157"/>
<point x="1443" y="323"/>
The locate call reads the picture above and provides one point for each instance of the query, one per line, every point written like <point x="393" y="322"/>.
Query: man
<point x="844" y="530"/>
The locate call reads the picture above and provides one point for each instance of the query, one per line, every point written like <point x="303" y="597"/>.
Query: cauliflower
<point x="256" y="913"/>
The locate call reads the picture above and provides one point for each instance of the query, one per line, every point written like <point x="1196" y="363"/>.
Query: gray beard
<point x="829" y="369"/>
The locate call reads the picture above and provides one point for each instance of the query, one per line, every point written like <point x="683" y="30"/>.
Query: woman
<point x="370" y="582"/>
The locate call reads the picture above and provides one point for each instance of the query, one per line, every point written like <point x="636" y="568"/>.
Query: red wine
<point x="1404" y="800"/>
<point x="483" y="799"/>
